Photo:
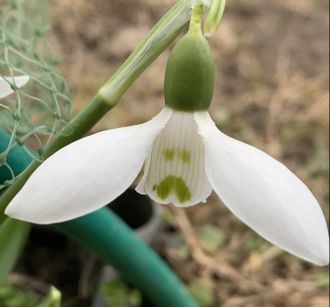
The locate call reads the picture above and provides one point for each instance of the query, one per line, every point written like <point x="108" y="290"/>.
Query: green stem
<point x="160" y="37"/>
<point x="195" y="25"/>
<point x="77" y="127"/>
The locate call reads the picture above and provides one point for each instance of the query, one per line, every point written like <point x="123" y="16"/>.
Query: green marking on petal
<point x="169" y="154"/>
<point x="173" y="184"/>
<point x="185" y="156"/>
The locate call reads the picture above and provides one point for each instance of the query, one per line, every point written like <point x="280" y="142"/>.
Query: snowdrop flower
<point x="7" y="84"/>
<point x="185" y="157"/>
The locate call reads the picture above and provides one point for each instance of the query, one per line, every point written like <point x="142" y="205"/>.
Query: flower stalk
<point x="196" y="19"/>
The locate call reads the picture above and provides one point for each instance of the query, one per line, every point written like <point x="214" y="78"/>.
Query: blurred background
<point x="272" y="79"/>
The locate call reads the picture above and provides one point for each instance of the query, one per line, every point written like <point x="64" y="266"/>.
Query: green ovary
<point x="190" y="75"/>
<point x="173" y="184"/>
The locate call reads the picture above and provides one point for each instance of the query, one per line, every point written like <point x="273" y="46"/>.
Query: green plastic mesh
<point x="33" y="114"/>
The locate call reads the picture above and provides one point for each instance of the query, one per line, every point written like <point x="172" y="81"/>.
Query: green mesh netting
<point x="33" y="114"/>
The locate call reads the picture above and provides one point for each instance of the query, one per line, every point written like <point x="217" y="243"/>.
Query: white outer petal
<point x="87" y="174"/>
<point x="5" y="88"/>
<point x="265" y="195"/>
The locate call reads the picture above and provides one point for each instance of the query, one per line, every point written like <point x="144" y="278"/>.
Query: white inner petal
<point x="174" y="171"/>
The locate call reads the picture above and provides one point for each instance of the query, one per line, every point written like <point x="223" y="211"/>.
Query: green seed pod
<point x="190" y="72"/>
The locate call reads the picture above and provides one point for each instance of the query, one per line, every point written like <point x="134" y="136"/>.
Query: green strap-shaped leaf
<point x="13" y="236"/>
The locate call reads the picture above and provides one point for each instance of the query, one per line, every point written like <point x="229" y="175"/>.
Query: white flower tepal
<point x="7" y="84"/>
